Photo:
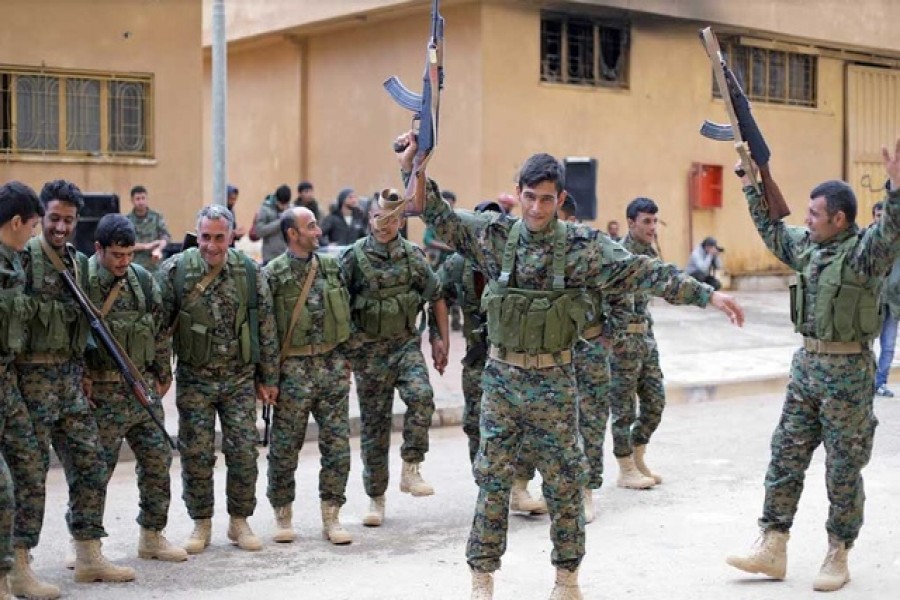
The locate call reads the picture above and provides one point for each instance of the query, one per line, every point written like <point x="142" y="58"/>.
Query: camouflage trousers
<point x="636" y="376"/>
<point x="535" y="406"/>
<point x="829" y="400"/>
<point x="199" y="399"/>
<point x="591" y="361"/>
<point x="11" y="403"/>
<point x="380" y="367"/>
<point x="60" y="415"/>
<point x="120" y="416"/>
<point x="20" y="448"/>
<point x="471" y="387"/>
<point x="319" y="385"/>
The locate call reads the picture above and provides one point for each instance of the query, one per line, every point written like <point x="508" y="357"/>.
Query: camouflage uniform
<point x="829" y="396"/>
<point x="634" y="365"/>
<point x="215" y="375"/>
<point x="383" y="363"/>
<point x="315" y="377"/>
<point x="539" y="404"/>
<point x="135" y="319"/>
<point x="50" y="378"/>
<point x="149" y="228"/>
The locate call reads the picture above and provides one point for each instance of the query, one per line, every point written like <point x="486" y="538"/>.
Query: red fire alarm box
<point x="705" y="186"/>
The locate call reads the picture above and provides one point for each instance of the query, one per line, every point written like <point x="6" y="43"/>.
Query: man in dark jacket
<point x="346" y="223"/>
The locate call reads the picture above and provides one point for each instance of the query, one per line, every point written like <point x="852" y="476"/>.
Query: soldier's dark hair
<point x="542" y="167"/>
<point x="838" y="197"/>
<point x="287" y="223"/>
<point x="115" y="230"/>
<point x="878" y="206"/>
<point x="640" y="205"/>
<point x="569" y="207"/>
<point x="303" y="186"/>
<point x="138" y="189"/>
<point x="16" y="198"/>
<point x="448" y="196"/>
<point x="283" y="194"/>
<point x="63" y="191"/>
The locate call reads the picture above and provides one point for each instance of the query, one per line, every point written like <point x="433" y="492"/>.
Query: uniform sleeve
<point x="268" y="222"/>
<point x="450" y="275"/>
<point x="162" y="362"/>
<point x="164" y="230"/>
<point x="425" y="278"/>
<point x="875" y="254"/>
<point x="784" y="241"/>
<point x="268" y="367"/>
<point x="165" y="278"/>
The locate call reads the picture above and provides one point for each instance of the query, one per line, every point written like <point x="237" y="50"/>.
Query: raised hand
<point x="892" y="164"/>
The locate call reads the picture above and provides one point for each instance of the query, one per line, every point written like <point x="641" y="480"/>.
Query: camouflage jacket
<point x="12" y="280"/>
<point x="632" y="307"/>
<point x="149" y="228"/>
<point x="460" y="283"/>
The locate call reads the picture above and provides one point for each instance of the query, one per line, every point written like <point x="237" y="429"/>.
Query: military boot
<point x="767" y="556"/>
<point x="630" y="477"/>
<point x="283" y="516"/>
<point x="242" y="536"/>
<point x="521" y="501"/>
<point x="200" y="537"/>
<point x="332" y="530"/>
<point x="4" y="589"/>
<point x="411" y="481"/>
<point x="70" y="555"/>
<point x="91" y="565"/>
<point x="482" y="585"/>
<point x="639" y="452"/>
<point x="153" y="544"/>
<point x="588" y="505"/>
<point x="23" y="581"/>
<point x="375" y="516"/>
<point x="834" y="573"/>
<point x="566" y="587"/>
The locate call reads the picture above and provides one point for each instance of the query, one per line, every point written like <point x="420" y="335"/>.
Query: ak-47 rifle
<point x="425" y="108"/>
<point x="126" y="367"/>
<point x="742" y="129"/>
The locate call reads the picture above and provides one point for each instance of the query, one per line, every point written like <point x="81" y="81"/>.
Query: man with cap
<point x="346" y="223"/>
<point x="705" y="261"/>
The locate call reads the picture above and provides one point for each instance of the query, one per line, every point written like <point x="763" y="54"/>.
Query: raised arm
<point x="881" y="243"/>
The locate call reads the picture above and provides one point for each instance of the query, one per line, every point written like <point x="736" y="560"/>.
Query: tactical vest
<point x="534" y="321"/>
<point x="194" y="339"/>
<point x="846" y="305"/>
<point x="133" y="329"/>
<point x="469" y="296"/>
<point x="16" y="309"/>
<point x="335" y="299"/>
<point x="55" y="326"/>
<point x="386" y="312"/>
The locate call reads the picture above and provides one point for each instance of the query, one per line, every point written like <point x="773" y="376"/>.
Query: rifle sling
<point x="113" y="294"/>
<point x="298" y="307"/>
<point x="55" y="259"/>
<point x="204" y="283"/>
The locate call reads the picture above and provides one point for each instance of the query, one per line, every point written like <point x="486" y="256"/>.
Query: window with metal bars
<point x="772" y="76"/>
<point x="584" y="51"/>
<point x="56" y="112"/>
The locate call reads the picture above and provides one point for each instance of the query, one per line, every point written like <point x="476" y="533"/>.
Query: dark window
<point x="773" y="76"/>
<point x="584" y="51"/>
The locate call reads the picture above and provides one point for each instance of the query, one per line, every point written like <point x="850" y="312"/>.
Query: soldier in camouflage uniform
<point x="314" y="373"/>
<point x="130" y="302"/>
<point x="20" y="212"/>
<point x="539" y="268"/>
<point x="834" y="305"/>
<point x="220" y="307"/>
<point x="389" y="281"/>
<point x="635" y="360"/>
<point x="152" y="233"/>
<point x="50" y="378"/>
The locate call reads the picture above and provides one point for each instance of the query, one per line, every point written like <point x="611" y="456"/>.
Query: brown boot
<point x="70" y="555"/>
<point x="242" y="536"/>
<point x="482" y="585"/>
<point x="411" y="481"/>
<point x="767" y="556"/>
<point x="332" y="530"/>
<point x="630" y="477"/>
<point x="566" y="587"/>
<point x="154" y="545"/>
<point x="283" y="517"/>
<point x="200" y="537"/>
<point x="521" y="501"/>
<point x="23" y="581"/>
<point x="639" y="452"/>
<point x="375" y="516"/>
<point x="91" y="565"/>
<point x="4" y="589"/>
<point x="588" y="505"/>
<point x="834" y="573"/>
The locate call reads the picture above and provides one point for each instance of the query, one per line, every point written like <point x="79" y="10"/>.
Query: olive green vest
<point x="55" y="326"/>
<point x="194" y="339"/>
<point x="15" y="311"/>
<point x="534" y="321"/>
<point x="386" y="312"/>
<point x="133" y="329"/>
<point x="335" y="299"/>
<point x="846" y="303"/>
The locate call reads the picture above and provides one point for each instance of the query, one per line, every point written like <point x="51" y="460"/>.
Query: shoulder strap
<point x="298" y="307"/>
<point x="559" y="257"/>
<point x="250" y="267"/>
<point x="201" y="285"/>
<point x="509" y="254"/>
<point x="141" y="286"/>
<point x="113" y="294"/>
<point x="365" y="265"/>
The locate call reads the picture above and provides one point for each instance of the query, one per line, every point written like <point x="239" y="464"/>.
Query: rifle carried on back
<point x="742" y="129"/>
<point x="126" y="367"/>
<point x="425" y="108"/>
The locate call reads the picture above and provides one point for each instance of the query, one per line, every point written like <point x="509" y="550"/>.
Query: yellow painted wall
<point x="163" y="38"/>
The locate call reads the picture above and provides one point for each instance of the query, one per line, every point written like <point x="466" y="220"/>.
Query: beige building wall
<point x="124" y="37"/>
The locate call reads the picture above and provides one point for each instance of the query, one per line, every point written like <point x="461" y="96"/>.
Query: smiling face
<point x="539" y="203"/>
<point x="213" y="238"/>
<point x="386" y="231"/>
<point x="115" y="258"/>
<point x="58" y="223"/>
<point x="643" y="227"/>
<point x="821" y="225"/>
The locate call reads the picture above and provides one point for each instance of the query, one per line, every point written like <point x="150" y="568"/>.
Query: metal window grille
<point x="55" y="112"/>
<point x="584" y="51"/>
<point x="772" y="76"/>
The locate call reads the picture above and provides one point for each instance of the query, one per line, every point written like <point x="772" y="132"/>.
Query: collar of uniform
<point x="384" y="249"/>
<point x="140" y="218"/>
<point x="7" y="254"/>
<point x="298" y="258"/>
<point x="545" y="234"/>
<point x="638" y="246"/>
<point x="840" y="237"/>
<point x="226" y="268"/>
<point x="105" y="276"/>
